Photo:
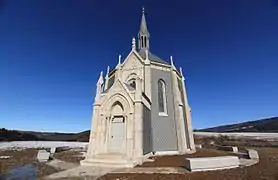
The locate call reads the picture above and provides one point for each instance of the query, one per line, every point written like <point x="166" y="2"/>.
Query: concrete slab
<point x="247" y="162"/>
<point x="58" y="164"/>
<point x="253" y="154"/>
<point x="81" y="172"/>
<point x="151" y="170"/>
<point x="211" y="163"/>
<point x="198" y="146"/>
<point x="43" y="155"/>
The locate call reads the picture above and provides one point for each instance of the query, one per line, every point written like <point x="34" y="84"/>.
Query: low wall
<point x="211" y="163"/>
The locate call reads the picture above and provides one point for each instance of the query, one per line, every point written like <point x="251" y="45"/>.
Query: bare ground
<point x="69" y="156"/>
<point x="266" y="169"/>
<point x="24" y="157"/>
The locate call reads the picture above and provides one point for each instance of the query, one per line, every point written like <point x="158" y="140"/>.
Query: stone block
<point x="52" y="150"/>
<point x="198" y="146"/>
<point x="211" y="163"/>
<point x="43" y="155"/>
<point x="64" y="148"/>
<point x="228" y="148"/>
<point x="235" y="149"/>
<point x="252" y="154"/>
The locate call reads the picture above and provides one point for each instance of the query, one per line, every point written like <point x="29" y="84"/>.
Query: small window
<point x="132" y="83"/>
<point x="162" y="105"/>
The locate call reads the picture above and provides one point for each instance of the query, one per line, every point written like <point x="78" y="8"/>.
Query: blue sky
<point x="51" y="53"/>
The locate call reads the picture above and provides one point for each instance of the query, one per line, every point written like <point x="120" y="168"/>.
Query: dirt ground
<point x="28" y="156"/>
<point x="24" y="157"/>
<point x="266" y="169"/>
<point x="69" y="156"/>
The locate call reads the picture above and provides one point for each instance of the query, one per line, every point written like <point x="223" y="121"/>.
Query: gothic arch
<point x="121" y="101"/>
<point x="117" y="109"/>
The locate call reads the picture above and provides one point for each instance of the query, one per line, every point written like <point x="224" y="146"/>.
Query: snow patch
<point x="5" y="157"/>
<point x="41" y="144"/>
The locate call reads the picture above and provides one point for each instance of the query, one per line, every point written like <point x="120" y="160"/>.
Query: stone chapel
<point x="140" y="109"/>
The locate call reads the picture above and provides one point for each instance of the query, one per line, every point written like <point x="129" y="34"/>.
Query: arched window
<point x="131" y="80"/>
<point x="162" y="106"/>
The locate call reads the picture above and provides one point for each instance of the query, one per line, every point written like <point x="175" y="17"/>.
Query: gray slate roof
<point x="152" y="57"/>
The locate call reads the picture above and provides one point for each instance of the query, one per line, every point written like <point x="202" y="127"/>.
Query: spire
<point x="143" y="26"/>
<point x="143" y="35"/>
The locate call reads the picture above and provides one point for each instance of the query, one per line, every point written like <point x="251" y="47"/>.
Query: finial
<point x="119" y="62"/>
<point x="108" y="69"/>
<point x="143" y="10"/>
<point x="100" y="79"/>
<point x="120" y="57"/>
<point x="172" y="62"/>
<point x="181" y="72"/>
<point x="133" y="43"/>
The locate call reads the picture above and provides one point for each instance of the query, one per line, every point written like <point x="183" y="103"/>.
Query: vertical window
<point x="145" y="41"/>
<point x="162" y="107"/>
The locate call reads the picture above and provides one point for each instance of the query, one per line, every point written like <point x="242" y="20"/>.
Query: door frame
<point x="123" y="148"/>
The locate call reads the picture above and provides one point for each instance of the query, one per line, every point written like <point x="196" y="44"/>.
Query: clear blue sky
<point x="51" y="53"/>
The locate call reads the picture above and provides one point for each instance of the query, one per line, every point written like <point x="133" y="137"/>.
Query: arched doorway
<point x="117" y="128"/>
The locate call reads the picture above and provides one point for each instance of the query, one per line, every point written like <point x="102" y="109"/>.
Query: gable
<point x="118" y="87"/>
<point x="132" y="62"/>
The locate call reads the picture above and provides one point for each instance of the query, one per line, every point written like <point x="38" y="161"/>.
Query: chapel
<point x="140" y="109"/>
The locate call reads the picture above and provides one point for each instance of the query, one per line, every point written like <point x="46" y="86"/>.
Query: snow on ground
<point x="5" y="157"/>
<point x="41" y="144"/>
<point x="247" y="135"/>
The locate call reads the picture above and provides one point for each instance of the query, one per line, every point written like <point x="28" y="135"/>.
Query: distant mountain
<point x="269" y="125"/>
<point x="263" y="125"/>
<point x="16" y="135"/>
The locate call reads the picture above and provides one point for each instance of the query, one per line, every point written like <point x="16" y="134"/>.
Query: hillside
<point x="263" y="125"/>
<point x="16" y="135"/>
<point x="269" y="125"/>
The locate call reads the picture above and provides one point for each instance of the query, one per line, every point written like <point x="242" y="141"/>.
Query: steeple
<point x="143" y="35"/>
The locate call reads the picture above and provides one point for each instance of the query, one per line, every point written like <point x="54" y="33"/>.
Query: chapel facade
<point x="140" y="109"/>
